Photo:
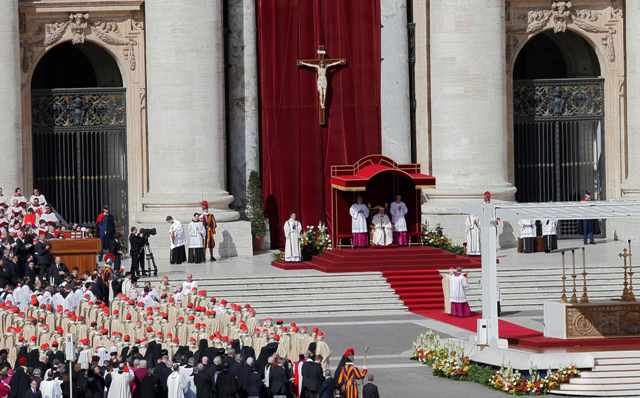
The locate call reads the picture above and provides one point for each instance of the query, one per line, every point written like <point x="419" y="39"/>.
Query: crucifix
<point x="321" y="65"/>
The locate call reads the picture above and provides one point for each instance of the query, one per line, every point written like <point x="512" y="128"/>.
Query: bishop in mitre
<point x="359" y="232"/>
<point x="292" y="234"/>
<point x="382" y="228"/>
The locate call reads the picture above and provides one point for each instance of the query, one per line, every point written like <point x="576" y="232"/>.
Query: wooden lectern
<point x="79" y="253"/>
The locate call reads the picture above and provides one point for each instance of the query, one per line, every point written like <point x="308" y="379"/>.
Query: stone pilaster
<point x="11" y="174"/>
<point x="394" y="90"/>
<point x="468" y="105"/>
<point x="242" y="92"/>
<point x="631" y="186"/>
<point x="186" y="104"/>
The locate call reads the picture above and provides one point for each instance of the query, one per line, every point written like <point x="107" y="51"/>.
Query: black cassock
<point x="265" y="353"/>
<point x="204" y="382"/>
<point x="19" y="383"/>
<point x="149" y="386"/>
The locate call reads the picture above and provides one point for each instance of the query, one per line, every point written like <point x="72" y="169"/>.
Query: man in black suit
<point x="312" y="377"/>
<point x="370" y="390"/>
<point x="136" y="250"/>
<point x="57" y="272"/>
<point x="43" y="256"/>
<point x="278" y="379"/>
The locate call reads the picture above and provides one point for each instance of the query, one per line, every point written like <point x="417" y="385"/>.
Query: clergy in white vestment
<point x="196" y="233"/>
<point x="359" y="231"/>
<point x="527" y="235"/>
<point x="382" y="228"/>
<point x="176" y="383"/>
<point x="189" y="286"/>
<point x="398" y="210"/>
<point x="120" y="383"/>
<point x="292" y="234"/>
<point x="458" y="294"/>
<point x="472" y="235"/>
<point x="550" y="234"/>
<point x="177" y="240"/>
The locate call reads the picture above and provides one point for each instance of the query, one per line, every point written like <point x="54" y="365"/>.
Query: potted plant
<point x="256" y="211"/>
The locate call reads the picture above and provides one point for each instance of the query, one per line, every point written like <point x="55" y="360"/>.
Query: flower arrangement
<point x="315" y="240"/>
<point x="436" y="238"/>
<point x="450" y="361"/>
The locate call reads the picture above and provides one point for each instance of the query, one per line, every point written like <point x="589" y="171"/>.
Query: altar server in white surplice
<point x="360" y="232"/>
<point x="382" y="228"/>
<point x="550" y="234"/>
<point x="398" y="210"/>
<point x="527" y="235"/>
<point x="196" y="234"/>
<point x="472" y="233"/>
<point x="292" y="233"/>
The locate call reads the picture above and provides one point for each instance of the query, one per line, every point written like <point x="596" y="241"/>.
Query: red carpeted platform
<point x="411" y="271"/>
<point x="523" y="337"/>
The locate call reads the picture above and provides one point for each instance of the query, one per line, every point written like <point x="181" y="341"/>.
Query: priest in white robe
<point x="292" y="234"/>
<point x="472" y="235"/>
<point x="196" y="233"/>
<point x="120" y="383"/>
<point x="359" y="231"/>
<point x="398" y="210"/>
<point x="527" y="235"/>
<point x="550" y="234"/>
<point x="382" y="228"/>
<point x="458" y="294"/>
<point x="176" y="383"/>
<point x="177" y="240"/>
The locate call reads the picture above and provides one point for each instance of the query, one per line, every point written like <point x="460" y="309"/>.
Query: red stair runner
<point x="411" y="271"/>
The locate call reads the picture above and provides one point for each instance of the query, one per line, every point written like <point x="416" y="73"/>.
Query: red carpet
<point x="522" y="337"/>
<point x="411" y="271"/>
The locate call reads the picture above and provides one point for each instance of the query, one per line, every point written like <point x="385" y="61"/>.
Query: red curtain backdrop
<point x="296" y="153"/>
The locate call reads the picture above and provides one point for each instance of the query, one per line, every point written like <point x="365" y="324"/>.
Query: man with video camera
<point x="137" y="241"/>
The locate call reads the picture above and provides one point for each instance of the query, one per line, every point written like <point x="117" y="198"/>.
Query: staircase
<point x="419" y="289"/>
<point x="527" y="287"/>
<point x="614" y="376"/>
<point x="299" y="296"/>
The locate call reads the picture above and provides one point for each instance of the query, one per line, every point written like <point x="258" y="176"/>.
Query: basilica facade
<point x="153" y="106"/>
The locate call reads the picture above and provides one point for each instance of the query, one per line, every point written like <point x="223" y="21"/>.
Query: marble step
<point x="605" y="393"/>
<point x="608" y="374"/>
<point x="306" y="294"/>
<point x="600" y="387"/>
<point x="605" y="380"/>
<point x="309" y="285"/>
<point x="618" y="368"/>
<point x="618" y="361"/>
<point x="316" y="301"/>
<point x="313" y="306"/>
<point x="332" y="314"/>
<point x="281" y="277"/>
<point x="223" y="293"/>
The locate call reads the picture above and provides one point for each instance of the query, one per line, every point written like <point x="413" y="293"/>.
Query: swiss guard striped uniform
<point x="348" y="380"/>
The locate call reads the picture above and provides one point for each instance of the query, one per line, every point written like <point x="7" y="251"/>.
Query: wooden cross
<point x="321" y="66"/>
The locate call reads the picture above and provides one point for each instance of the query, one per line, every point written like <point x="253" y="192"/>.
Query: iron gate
<point x="558" y="139"/>
<point x="80" y="152"/>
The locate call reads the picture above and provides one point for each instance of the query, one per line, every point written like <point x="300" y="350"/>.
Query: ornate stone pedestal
<point x="592" y="320"/>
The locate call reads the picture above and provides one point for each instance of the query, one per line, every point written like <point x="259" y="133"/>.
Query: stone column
<point x="186" y="103"/>
<point x="468" y="107"/>
<point x="394" y="87"/>
<point x="242" y="89"/>
<point x="10" y="133"/>
<point x="631" y="186"/>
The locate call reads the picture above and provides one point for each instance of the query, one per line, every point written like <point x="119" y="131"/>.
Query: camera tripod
<point x="151" y="261"/>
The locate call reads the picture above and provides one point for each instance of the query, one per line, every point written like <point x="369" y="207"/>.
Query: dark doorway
<point x="558" y="113"/>
<point x="79" y="125"/>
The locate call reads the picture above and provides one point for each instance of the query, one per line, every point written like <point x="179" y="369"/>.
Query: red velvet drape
<point x="297" y="153"/>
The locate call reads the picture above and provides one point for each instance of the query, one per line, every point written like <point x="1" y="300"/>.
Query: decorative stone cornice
<point x="564" y="15"/>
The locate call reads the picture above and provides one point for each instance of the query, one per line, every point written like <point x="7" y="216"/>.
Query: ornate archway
<point x="600" y="26"/>
<point x="117" y="29"/>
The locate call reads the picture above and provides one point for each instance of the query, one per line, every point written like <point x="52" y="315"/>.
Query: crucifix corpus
<point x="322" y="65"/>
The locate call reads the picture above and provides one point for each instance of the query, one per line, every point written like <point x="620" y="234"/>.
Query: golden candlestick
<point x="574" y="295"/>
<point x="631" y="293"/>
<point x="563" y="298"/>
<point x="627" y="295"/>
<point x="585" y="296"/>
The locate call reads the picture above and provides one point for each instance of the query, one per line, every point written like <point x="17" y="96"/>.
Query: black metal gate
<point x="558" y="140"/>
<point x="80" y="151"/>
